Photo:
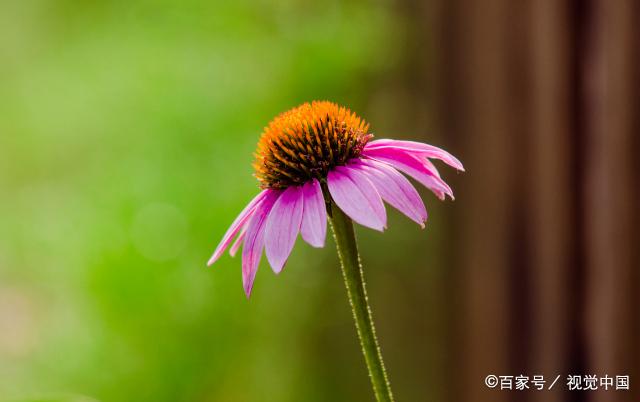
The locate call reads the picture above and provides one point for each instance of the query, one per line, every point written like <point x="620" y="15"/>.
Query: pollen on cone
<point x="306" y="142"/>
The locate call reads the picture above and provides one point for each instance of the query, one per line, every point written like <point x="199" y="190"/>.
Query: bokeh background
<point x="126" y="137"/>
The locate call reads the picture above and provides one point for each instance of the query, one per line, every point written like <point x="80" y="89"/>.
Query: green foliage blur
<point x="126" y="137"/>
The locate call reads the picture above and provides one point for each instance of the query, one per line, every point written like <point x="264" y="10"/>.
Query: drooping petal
<point x="237" y="224"/>
<point x="314" y="218"/>
<point x="395" y="189"/>
<point x="426" y="150"/>
<point x="423" y="159"/>
<point x="254" y="240"/>
<point x="430" y="166"/>
<point x="414" y="167"/>
<point x="357" y="197"/>
<point x="236" y="244"/>
<point x="283" y="226"/>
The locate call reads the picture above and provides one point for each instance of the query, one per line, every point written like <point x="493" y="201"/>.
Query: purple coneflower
<point x="319" y="159"/>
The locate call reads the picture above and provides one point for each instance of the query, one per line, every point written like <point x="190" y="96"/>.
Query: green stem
<point x="354" y="280"/>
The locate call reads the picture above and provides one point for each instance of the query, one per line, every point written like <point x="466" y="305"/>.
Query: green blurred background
<point x="127" y="137"/>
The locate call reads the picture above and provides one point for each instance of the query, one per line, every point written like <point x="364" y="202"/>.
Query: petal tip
<point x="247" y="285"/>
<point x="232" y="253"/>
<point x="276" y="262"/>
<point x="277" y="268"/>
<point x="315" y="243"/>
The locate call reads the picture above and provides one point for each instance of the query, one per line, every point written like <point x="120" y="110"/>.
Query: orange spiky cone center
<point x="307" y="142"/>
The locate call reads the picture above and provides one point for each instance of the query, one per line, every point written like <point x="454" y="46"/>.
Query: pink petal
<point x="314" y="218"/>
<point x="430" y="166"/>
<point x="283" y="226"/>
<point x="236" y="244"/>
<point x="426" y="150"/>
<point x="414" y="167"/>
<point x="254" y="240"/>
<point x="236" y="226"/>
<point x="357" y="197"/>
<point x="395" y="189"/>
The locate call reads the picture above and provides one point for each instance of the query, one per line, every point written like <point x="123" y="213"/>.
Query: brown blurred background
<point x="542" y="100"/>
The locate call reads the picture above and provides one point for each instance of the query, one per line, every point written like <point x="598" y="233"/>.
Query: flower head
<point x="317" y="146"/>
<point x="307" y="142"/>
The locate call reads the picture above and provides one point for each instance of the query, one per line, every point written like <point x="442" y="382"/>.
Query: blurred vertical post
<point x="611" y="86"/>
<point x="551" y="220"/>
<point x="475" y="96"/>
<point x="542" y="99"/>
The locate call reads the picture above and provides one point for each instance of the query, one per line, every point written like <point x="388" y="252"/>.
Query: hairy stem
<point x="354" y="280"/>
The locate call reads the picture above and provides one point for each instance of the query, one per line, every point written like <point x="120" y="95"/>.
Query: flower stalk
<point x="354" y="280"/>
